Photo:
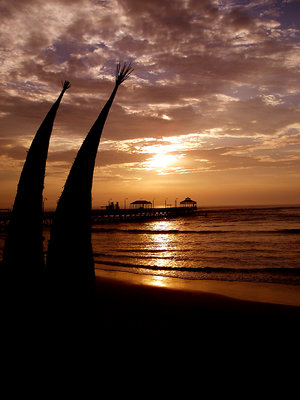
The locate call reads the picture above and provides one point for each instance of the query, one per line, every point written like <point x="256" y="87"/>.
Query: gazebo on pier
<point x="188" y="203"/>
<point x="141" y="204"/>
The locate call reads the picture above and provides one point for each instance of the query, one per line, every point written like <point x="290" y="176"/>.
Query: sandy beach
<point x="143" y="307"/>
<point x="136" y="318"/>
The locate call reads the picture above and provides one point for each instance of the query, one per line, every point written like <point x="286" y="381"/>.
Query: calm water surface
<point x="258" y="244"/>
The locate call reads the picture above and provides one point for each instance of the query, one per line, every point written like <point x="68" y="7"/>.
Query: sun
<point x="160" y="161"/>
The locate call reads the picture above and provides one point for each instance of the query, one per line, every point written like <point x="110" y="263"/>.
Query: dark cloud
<point x="238" y="19"/>
<point x="255" y="116"/>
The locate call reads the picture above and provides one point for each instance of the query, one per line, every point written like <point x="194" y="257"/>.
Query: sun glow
<point x="160" y="162"/>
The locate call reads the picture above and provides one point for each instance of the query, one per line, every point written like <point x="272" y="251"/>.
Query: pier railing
<point x="139" y="213"/>
<point x="115" y="215"/>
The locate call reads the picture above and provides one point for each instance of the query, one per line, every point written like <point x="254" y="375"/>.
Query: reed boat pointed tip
<point x="66" y="85"/>
<point x="123" y="71"/>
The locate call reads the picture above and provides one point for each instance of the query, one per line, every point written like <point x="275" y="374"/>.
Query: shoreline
<point x="144" y="307"/>
<point x="258" y="292"/>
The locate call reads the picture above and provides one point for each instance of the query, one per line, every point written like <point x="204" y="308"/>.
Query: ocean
<point x="253" y="244"/>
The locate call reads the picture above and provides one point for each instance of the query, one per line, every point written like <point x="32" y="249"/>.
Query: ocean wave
<point x="145" y="231"/>
<point x="145" y="257"/>
<point x="268" y="270"/>
<point x="156" y="232"/>
<point x="154" y="250"/>
<point x="200" y="232"/>
<point x="288" y="231"/>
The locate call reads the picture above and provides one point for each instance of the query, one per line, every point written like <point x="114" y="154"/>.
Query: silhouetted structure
<point x="188" y="202"/>
<point x="141" y="204"/>
<point x="23" y="258"/>
<point x="70" y="263"/>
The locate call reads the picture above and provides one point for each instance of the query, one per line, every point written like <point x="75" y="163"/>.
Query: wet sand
<point x="141" y="317"/>
<point x="144" y="307"/>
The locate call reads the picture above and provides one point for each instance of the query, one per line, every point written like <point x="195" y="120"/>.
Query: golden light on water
<point x="158" y="281"/>
<point x="163" y="244"/>
<point x="162" y="225"/>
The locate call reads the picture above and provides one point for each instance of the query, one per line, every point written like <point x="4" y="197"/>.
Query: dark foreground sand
<point x="135" y="318"/>
<point x="144" y="331"/>
<point x="141" y="307"/>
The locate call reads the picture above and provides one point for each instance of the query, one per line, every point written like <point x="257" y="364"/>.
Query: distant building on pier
<point x="188" y="203"/>
<point x="141" y="204"/>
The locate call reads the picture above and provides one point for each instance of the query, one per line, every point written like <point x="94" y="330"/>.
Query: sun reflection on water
<point x="163" y="243"/>
<point x="157" y="281"/>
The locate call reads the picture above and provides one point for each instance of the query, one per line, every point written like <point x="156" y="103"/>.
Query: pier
<point x="139" y="210"/>
<point x="107" y="215"/>
<point x="135" y="214"/>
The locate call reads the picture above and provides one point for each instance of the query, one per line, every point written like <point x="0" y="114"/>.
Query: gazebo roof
<point x="141" y="202"/>
<point x="187" y="200"/>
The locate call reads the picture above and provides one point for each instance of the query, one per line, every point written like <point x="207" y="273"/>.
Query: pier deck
<point x="140" y="213"/>
<point x="116" y="215"/>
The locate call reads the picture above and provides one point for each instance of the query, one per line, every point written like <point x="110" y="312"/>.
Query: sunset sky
<point x="211" y="111"/>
